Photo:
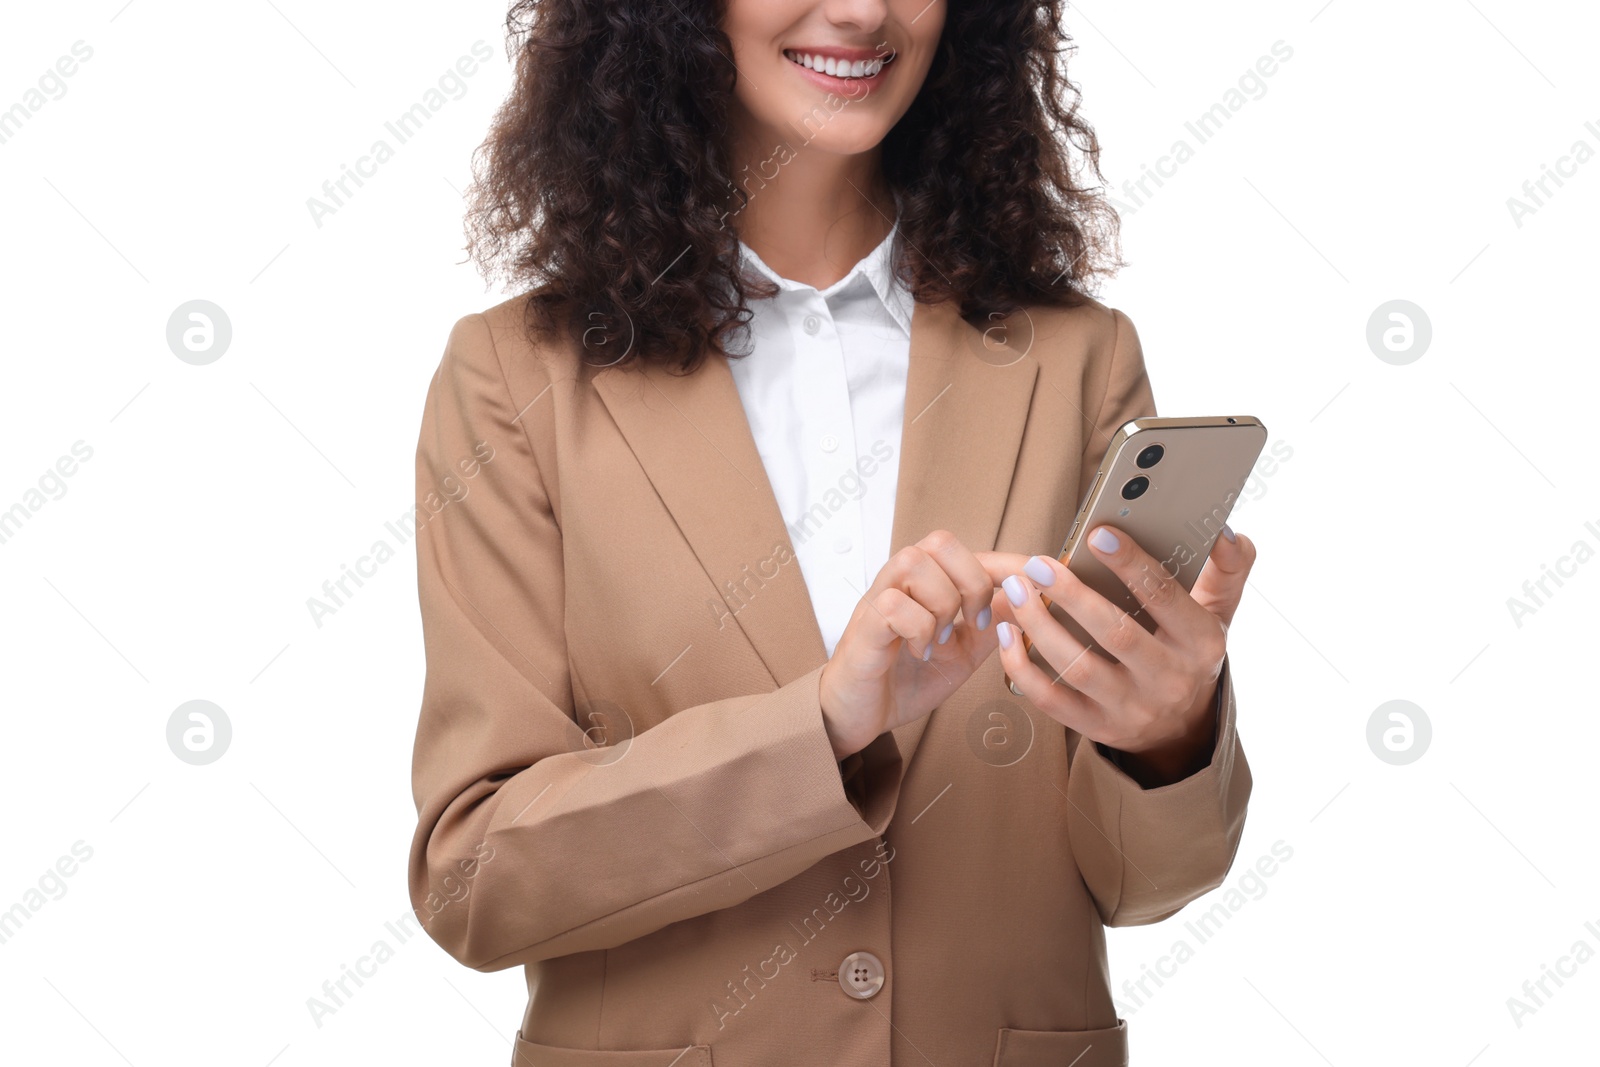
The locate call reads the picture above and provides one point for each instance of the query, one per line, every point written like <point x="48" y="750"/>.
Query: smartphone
<point x="1170" y="484"/>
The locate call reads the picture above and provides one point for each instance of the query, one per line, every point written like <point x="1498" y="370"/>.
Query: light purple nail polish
<point x="983" y="618"/>
<point x="927" y="653"/>
<point x="1004" y="631"/>
<point x="1227" y="531"/>
<point x="1038" y="568"/>
<point x="1104" y="539"/>
<point x="944" y="634"/>
<point x="1016" y="592"/>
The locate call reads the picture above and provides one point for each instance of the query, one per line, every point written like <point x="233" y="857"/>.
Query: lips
<point x="847" y="71"/>
<point x="839" y="65"/>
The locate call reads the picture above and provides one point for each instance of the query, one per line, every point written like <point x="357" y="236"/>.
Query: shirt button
<point x="861" y="975"/>
<point x="812" y="324"/>
<point x="829" y="442"/>
<point x="842" y="543"/>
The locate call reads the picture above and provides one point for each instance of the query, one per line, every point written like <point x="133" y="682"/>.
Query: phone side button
<point x="1075" y="524"/>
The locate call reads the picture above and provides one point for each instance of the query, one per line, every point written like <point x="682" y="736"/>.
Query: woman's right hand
<point x="889" y="666"/>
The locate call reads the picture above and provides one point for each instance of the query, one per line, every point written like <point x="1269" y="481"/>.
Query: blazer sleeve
<point x="530" y="845"/>
<point x="1145" y="853"/>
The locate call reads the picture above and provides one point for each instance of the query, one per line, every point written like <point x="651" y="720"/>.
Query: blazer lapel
<point x="967" y="400"/>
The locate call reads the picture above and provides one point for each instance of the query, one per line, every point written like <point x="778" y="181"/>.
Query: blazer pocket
<point x="1063" y="1048"/>
<point x="525" y="1053"/>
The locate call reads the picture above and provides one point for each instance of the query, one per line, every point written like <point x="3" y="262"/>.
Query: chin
<point x="814" y="124"/>
<point x="845" y="142"/>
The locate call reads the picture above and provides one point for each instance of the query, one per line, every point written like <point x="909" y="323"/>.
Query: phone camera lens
<point x="1150" y="457"/>
<point x="1135" y="488"/>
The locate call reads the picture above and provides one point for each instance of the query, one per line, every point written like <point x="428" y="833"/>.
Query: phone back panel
<point x="1192" y="488"/>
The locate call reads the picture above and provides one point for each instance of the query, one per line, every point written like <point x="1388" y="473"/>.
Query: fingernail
<point x="1015" y="591"/>
<point x="944" y="634"/>
<point x="927" y="653"/>
<point x="1104" y="539"/>
<point x="1039" y="570"/>
<point x="1004" y="630"/>
<point x="983" y="618"/>
<point x="1227" y="531"/>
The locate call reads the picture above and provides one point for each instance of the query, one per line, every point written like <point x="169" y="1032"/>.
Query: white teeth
<point x="837" y="68"/>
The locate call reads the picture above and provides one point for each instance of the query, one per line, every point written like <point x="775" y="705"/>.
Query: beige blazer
<point x="621" y="773"/>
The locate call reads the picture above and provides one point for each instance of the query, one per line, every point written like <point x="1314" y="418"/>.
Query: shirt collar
<point x="875" y="266"/>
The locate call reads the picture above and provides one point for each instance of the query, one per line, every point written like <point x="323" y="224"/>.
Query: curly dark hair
<point x="605" y="182"/>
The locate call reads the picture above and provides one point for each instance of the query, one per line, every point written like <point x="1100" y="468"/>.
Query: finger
<point x="966" y="574"/>
<point x="1093" y="675"/>
<point x="1153" y="584"/>
<point x="1072" y="709"/>
<point x="1137" y="652"/>
<point x="1098" y="616"/>
<point x="999" y="565"/>
<point x="891" y="615"/>
<point x="1220" y="586"/>
<point x="915" y="572"/>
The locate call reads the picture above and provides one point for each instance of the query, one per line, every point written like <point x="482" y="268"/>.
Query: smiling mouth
<point x="844" y="69"/>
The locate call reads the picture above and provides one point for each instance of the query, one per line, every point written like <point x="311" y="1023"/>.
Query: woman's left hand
<point x="1155" y="705"/>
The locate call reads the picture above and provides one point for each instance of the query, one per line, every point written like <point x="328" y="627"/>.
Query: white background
<point x="1415" y="501"/>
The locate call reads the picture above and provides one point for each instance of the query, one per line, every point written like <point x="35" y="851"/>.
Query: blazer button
<point x="861" y="975"/>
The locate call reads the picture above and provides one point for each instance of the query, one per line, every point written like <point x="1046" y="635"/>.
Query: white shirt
<point x="824" y="389"/>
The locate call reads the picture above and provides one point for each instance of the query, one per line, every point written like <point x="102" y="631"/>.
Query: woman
<point x="715" y="740"/>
